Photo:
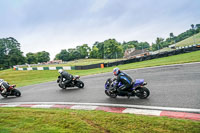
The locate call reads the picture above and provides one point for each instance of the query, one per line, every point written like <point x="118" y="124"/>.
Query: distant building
<point x="133" y="53"/>
<point x="172" y="46"/>
<point x="128" y="51"/>
<point x="54" y="62"/>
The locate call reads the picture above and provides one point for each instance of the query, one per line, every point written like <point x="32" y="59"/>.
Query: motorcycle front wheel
<point x="142" y="92"/>
<point x="63" y="87"/>
<point x="112" y="95"/>
<point x="4" y="95"/>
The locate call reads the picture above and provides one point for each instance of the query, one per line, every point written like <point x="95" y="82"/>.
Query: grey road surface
<point x="170" y="86"/>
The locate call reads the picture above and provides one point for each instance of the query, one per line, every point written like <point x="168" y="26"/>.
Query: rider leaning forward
<point x="65" y="77"/>
<point x="125" y="79"/>
<point x="4" y="85"/>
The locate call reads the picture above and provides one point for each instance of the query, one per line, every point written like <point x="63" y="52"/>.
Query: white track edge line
<point x="114" y="105"/>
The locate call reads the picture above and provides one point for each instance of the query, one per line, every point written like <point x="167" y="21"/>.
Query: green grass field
<point x="27" y="120"/>
<point x="24" y="78"/>
<point x="189" y="41"/>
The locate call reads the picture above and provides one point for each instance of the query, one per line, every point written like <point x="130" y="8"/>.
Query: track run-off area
<point x="172" y="87"/>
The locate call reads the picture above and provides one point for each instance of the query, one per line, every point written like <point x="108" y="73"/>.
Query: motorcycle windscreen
<point x="139" y="81"/>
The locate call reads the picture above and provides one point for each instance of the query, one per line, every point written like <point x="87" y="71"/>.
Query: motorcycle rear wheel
<point x="143" y="92"/>
<point x="17" y="93"/>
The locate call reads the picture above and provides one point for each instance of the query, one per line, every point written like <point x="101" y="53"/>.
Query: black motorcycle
<point x="11" y="91"/>
<point x="76" y="82"/>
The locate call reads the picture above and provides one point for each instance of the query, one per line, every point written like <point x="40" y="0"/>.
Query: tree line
<point x="162" y="43"/>
<point x="11" y="54"/>
<point x="109" y="49"/>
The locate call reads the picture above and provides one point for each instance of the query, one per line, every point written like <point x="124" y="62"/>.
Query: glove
<point x="114" y="79"/>
<point x="114" y="88"/>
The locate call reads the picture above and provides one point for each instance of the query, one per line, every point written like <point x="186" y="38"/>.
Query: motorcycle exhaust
<point x="145" y="83"/>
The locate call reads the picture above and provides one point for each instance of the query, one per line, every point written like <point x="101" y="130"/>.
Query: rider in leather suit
<point x="125" y="79"/>
<point x="65" y="77"/>
<point x="4" y="85"/>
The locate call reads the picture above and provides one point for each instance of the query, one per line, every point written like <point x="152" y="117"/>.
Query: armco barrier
<point x="43" y="68"/>
<point x="88" y="66"/>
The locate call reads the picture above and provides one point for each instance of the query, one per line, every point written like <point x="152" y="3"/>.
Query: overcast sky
<point x="52" y="25"/>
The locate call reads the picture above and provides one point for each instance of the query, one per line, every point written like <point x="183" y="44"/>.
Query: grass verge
<point x="189" y="41"/>
<point x="28" y="120"/>
<point x="23" y="78"/>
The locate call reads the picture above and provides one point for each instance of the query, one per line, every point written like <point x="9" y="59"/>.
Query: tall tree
<point x="42" y="56"/>
<point x="158" y="45"/>
<point x="143" y="45"/>
<point x="94" y="52"/>
<point x="128" y="45"/>
<point x="171" y="35"/>
<point x="10" y="53"/>
<point x="83" y="50"/>
<point x="113" y="49"/>
<point x="16" y="57"/>
<point x="63" y="55"/>
<point x="31" y="58"/>
<point x="192" y="25"/>
<point x="159" y="41"/>
<point x="101" y="49"/>
<point x="74" y="54"/>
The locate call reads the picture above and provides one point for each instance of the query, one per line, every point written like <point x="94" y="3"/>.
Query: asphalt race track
<point x="170" y="86"/>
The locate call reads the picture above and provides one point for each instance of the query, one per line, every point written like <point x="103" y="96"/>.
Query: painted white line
<point x="114" y="105"/>
<point x="11" y="105"/>
<point x="84" y="107"/>
<point x="142" y="111"/>
<point x="41" y="106"/>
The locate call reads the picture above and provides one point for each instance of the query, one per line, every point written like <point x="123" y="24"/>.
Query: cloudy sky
<point x="52" y="25"/>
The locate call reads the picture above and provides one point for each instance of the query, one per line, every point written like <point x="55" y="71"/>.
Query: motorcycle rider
<point x="65" y="77"/>
<point x="4" y="85"/>
<point x="126" y="81"/>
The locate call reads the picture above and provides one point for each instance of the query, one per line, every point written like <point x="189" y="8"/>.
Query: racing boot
<point x="4" y="91"/>
<point x="129" y="94"/>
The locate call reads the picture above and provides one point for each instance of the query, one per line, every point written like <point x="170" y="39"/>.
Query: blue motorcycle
<point x="137" y="89"/>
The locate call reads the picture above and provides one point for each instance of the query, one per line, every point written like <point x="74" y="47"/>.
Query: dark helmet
<point x="116" y="71"/>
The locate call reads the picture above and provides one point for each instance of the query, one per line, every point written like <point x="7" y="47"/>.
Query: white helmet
<point x="60" y="71"/>
<point x="1" y="80"/>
